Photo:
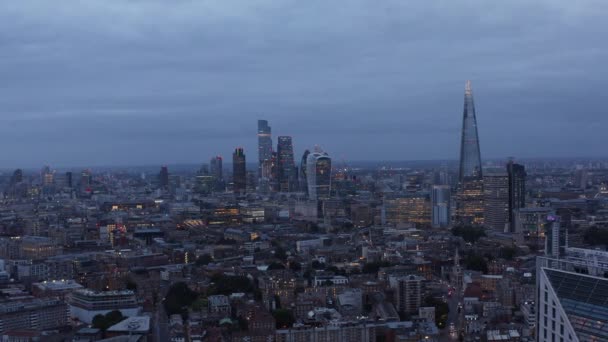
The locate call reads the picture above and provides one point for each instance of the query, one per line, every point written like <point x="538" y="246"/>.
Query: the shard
<point x="470" y="157"/>
<point x="470" y="186"/>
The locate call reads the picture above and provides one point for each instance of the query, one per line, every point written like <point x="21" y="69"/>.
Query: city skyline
<point x="146" y="94"/>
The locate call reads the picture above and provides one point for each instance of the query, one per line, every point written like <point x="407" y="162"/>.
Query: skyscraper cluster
<point x="278" y="171"/>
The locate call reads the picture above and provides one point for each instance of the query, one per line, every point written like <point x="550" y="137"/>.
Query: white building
<point x="86" y="304"/>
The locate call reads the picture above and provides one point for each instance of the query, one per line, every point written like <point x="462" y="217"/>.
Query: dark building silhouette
<point x="17" y="176"/>
<point x="217" y="172"/>
<point x="302" y="173"/>
<point x="215" y="167"/>
<point x="86" y="180"/>
<point x="517" y="190"/>
<point x="470" y="206"/>
<point x="286" y="166"/>
<point x="264" y="144"/>
<point x="69" y="179"/>
<point x="163" y="177"/>
<point x="239" y="171"/>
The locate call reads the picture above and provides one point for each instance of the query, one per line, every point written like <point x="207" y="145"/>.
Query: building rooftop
<point x="134" y="324"/>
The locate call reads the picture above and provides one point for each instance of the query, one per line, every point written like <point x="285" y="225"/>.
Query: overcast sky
<point x="151" y="82"/>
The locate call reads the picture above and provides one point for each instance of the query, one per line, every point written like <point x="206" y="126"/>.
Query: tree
<point x="442" y="310"/>
<point x="295" y="266"/>
<point x="284" y="318"/>
<point x="276" y="266"/>
<point x="596" y="236"/>
<point x="178" y="298"/>
<point x="317" y="265"/>
<point x="469" y="233"/>
<point x="224" y="284"/>
<point x="203" y="260"/>
<point x="508" y="252"/>
<point x="476" y="263"/>
<point x="103" y="322"/>
<point x="200" y="304"/>
<point x="280" y="253"/>
<point x="131" y="285"/>
<point x="374" y="267"/>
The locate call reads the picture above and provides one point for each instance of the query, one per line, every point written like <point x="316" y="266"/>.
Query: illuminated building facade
<point x="496" y="200"/>
<point x="264" y="144"/>
<point x="286" y="165"/>
<point x="318" y="175"/>
<point x="440" y="198"/>
<point x="470" y="207"/>
<point x="413" y="208"/>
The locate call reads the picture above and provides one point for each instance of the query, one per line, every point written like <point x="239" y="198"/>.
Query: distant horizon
<point x="335" y="163"/>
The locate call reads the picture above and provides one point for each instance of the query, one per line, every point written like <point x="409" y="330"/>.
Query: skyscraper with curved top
<point x="318" y="174"/>
<point x="469" y="208"/>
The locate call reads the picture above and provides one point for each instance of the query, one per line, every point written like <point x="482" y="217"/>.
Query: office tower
<point x="581" y="177"/>
<point x="572" y="297"/>
<point x="469" y="204"/>
<point x="556" y="236"/>
<point x="440" y="199"/>
<point x="286" y="166"/>
<point x="318" y="175"/>
<point x="496" y="200"/>
<point x="264" y="144"/>
<point x="302" y="173"/>
<point x="32" y="315"/>
<point x="163" y="177"/>
<point x="408" y="292"/>
<point x="216" y="170"/>
<point x="409" y="208"/>
<point x="48" y="176"/>
<point x="17" y="176"/>
<point x="85" y="180"/>
<point x="517" y="190"/>
<point x="239" y="171"/>
<point x="68" y="179"/>
<point x="85" y="304"/>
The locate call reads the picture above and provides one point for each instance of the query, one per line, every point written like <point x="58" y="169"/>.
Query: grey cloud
<point x="177" y="80"/>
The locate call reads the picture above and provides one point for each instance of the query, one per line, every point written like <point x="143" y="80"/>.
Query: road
<point x="161" y="331"/>
<point x="455" y="317"/>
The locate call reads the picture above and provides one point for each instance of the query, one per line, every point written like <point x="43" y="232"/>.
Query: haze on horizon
<point x="166" y="82"/>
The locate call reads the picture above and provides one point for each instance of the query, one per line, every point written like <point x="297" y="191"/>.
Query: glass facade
<point x="239" y="171"/>
<point x="287" y="168"/>
<point x="318" y="174"/>
<point x="264" y="144"/>
<point x="573" y="293"/>
<point x="470" y="196"/>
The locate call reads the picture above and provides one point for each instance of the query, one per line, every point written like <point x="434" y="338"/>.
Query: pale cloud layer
<point x="149" y="82"/>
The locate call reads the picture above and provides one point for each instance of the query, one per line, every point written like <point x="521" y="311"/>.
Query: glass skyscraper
<point x="440" y="198"/>
<point x="517" y="190"/>
<point x="264" y="144"/>
<point x="302" y="174"/>
<point x="318" y="174"/>
<point x="470" y="207"/>
<point x="239" y="171"/>
<point x="287" y="168"/>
